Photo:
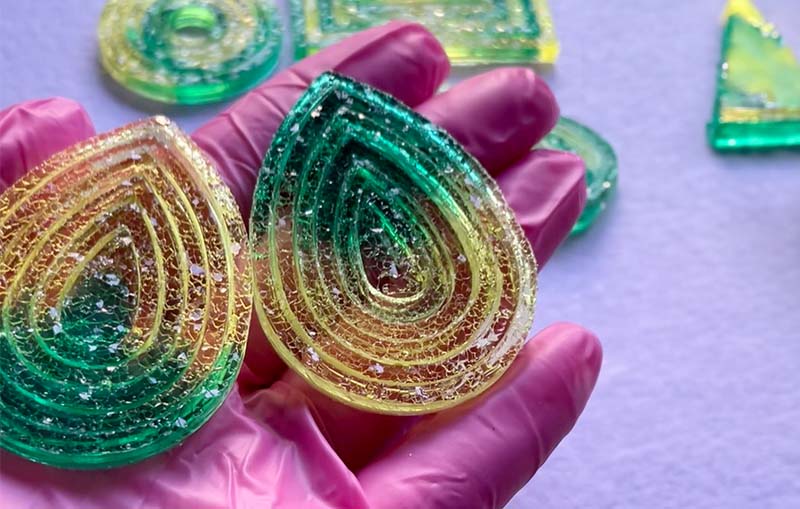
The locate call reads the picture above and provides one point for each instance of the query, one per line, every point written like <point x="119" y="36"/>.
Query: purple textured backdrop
<point x="691" y="278"/>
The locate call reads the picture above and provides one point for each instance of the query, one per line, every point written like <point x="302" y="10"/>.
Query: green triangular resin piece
<point x="601" y="165"/>
<point x="390" y="272"/>
<point x="758" y="87"/>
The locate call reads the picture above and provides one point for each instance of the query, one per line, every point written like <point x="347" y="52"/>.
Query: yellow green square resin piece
<point x="189" y="51"/>
<point x="389" y="271"/>
<point x="758" y="88"/>
<point x="472" y="31"/>
<point x="125" y="295"/>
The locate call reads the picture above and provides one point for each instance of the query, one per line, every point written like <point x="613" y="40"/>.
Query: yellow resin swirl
<point x="125" y="294"/>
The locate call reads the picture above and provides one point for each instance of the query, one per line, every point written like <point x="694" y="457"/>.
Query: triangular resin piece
<point x="125" y="294"/>
<point x="471" y="31"/>
<point x="758" y="88"/>
<point x="601" y="165"/>
<point x="390" y="272"/>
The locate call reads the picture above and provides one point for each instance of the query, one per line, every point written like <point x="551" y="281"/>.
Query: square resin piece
<point x="125" y="294"/>
<point x="390" y="273"/>
<point x="472" y="31"/>
<point x="758" y="88"/>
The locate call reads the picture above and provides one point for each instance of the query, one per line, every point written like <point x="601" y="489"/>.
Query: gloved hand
<point x="276" y="443"/>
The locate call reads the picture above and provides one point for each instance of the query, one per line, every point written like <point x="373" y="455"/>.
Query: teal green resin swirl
<point x="390" y="272"/>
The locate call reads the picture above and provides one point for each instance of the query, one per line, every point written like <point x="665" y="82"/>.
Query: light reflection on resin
<point x="389" y="271"/>
<point x="125" y="309"/>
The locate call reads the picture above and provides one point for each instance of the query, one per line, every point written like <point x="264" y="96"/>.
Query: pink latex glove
<point x="276" y="443"/>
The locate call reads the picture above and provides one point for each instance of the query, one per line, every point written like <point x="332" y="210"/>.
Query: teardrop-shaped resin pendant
<point x="125" y="293"/>
<point x="390" y="272"/>
<point x="758" y="88"/>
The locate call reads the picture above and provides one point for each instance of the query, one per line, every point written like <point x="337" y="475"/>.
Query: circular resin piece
<point x="601" y="165"/>
<point x="390" y="273"/>
<point x="189" y="51"/>
<point x="125" y="294"/>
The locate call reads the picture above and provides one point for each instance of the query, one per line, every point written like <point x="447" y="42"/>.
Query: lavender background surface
<point x="691" y="278"/>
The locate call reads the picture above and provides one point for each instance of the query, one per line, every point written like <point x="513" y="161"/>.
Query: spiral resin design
<point x="390" y="272"/>
<point x="125" y="295"/>
<point x="189" y="51"/>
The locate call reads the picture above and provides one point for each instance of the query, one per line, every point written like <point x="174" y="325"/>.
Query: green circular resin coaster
<point x="601" y="165"/>
<point x="189" y="51"/>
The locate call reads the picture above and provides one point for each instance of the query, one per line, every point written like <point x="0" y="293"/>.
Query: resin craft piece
<point x="126" y="295"/>
<point x="390" y="273"/>
<point x="758" y="88"/>
<point x="472" y="31"/>
<point x="601" y="165"/>
<point x="189" y="51"/>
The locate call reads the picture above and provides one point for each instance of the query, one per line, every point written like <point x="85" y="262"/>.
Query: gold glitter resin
<point x="125" y="292"/>
<point x="390" y="272"/>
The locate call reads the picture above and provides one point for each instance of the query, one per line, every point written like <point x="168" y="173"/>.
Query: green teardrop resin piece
<point x="390" y="272"/>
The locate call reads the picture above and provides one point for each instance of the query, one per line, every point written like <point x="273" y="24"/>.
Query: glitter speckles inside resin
<point x="390" y="272"/>
<point x="189" y="51"/>
<point x="600" y="160"/>
<point x="472" y="31"/>
<point x="125" y="301"/>
<point x="758" y="87"/>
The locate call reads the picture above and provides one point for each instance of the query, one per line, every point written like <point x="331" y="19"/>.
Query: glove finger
<point x="547" y="192"/>
<point x="403" y="59"/>
<point x="32" y="131"/>
<point x="481" y="454"/>
<point x="497" y="116"/>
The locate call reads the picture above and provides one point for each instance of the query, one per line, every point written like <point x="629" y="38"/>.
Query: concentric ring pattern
<point x="125" y="297"/>
<point x="390" y="272"/>
<point x="189" y="51"/>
